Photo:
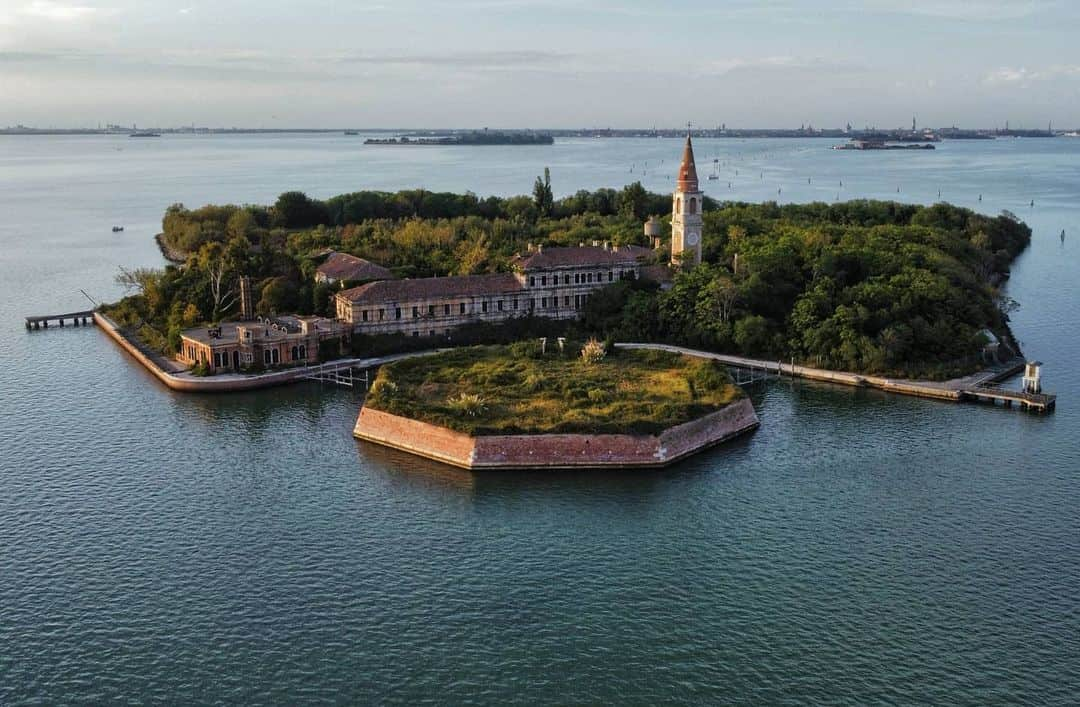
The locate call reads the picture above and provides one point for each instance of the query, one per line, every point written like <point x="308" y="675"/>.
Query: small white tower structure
<point x="1033" y="377"/>
<point x="686" y="204"/>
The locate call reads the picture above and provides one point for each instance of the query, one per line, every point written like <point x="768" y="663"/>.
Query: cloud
<point x="56" y="11"/>
<point x="779" y="63"/>
<point x="1022" y="76"/>
<point x="995" y="10"/>
<point x="463" y="59"/>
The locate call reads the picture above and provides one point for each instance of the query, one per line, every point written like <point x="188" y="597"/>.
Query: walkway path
<point x="944" y="390"/>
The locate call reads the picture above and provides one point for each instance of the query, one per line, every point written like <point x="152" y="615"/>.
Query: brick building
<point x="234" y="346"/>
<point x="546" y="282"/>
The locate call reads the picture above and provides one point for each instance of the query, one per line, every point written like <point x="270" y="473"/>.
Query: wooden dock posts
<point x="77" y="319"/>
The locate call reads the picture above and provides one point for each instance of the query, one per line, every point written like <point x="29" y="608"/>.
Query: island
<point x="478" y="137"/>
<point x="901" y="297"/>
<point x="554" y="404"/>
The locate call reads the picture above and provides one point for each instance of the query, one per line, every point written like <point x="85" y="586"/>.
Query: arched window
<point x="274" y="356"/>
<point x="693" y="205"/>
<point x="303" y="351"/>
<point x="295" y="353"/>
<point x="678" y="204"/>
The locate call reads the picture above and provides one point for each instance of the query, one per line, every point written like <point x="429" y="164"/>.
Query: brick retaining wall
<point x="555" y="451"/>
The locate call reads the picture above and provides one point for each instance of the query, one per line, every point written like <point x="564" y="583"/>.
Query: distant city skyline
<point x="539" y="63"/>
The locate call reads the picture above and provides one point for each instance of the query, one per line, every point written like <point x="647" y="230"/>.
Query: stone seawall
<point x="555" y="451"/>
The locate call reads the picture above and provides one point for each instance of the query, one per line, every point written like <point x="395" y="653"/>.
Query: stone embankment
<point x="556" y="451"/>
<point x="177" y="378"/>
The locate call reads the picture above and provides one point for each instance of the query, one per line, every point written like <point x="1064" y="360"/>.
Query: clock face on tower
<point x="691" y="238"/>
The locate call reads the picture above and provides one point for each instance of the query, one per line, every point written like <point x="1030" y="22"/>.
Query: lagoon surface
<point x="859" y="548"/>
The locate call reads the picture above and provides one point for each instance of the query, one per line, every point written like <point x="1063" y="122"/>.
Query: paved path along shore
<point x="942" y="390"/>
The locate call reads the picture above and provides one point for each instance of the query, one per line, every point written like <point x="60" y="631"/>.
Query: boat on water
<point x="144" y="133"/>
<point x="117" y="229"/>
<point x="351" y="132"/>
<point x="715" y="170"/>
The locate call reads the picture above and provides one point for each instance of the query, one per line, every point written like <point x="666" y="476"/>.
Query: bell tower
<point x="686" y="204"/>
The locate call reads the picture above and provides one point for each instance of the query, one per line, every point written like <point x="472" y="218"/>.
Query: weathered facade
<point x="235" y="346"/>
<point x="547" y="282"/>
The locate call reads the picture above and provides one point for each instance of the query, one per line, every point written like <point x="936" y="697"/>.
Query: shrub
<point x="468" y="404"/>
<point x="593" y="352"/>
<point x="598" y="395"/>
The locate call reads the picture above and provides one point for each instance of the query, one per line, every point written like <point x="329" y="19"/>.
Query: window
<point x="446" y="310"/>
<point x="483" y="306"/>
<point x="382" y="313"/>
<point x="678" y="204"/>
<point x="577" y="301"/>
<point x="532" y="281"/>
<point x="590" y="277"/>
<point x="566" y="301"/>
<point x="274" y="356"/>
<point x="543" y="281"/>
<point x="610" y="276"/>
<point x="431" y="333"/>
<point x="363" y="315"/>
<point x="416" y="333"/>
<point x="532" y="303"/>
<point x="431" y="310"/>
<point x="397" y="312"/>
<point x="543" y="303"/>
<point x="303" y="352"/>
<point x="266" y="355"/>
<point x="514" y="305"/>
<point x="415" y="312"/>
<point x="693" y="205"/>
<point x="500" y="305"/>
<point x="295" y="353"/>
<point x="461" y="308"/>
<point x="566" y="279"/>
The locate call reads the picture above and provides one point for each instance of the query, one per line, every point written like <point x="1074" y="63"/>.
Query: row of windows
<point x="534" y="303"/>
<point x="221" y="358"/>
<point x="446" y="309"/>
<point x="580" y="278"/>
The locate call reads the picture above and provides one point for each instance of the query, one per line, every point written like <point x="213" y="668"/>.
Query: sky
<point x="539" y="63"/>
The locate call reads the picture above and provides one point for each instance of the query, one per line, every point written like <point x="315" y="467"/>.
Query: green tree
<point x="543" y="197"/>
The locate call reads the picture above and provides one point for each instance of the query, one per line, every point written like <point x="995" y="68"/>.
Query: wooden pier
<point x="77" y="319"/>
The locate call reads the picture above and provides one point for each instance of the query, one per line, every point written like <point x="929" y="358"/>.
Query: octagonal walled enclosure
<point x="556" y="451"/>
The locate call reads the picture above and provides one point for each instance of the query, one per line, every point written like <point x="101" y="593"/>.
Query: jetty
<point x="983" y="386"/>
<point x="76" y="318"/>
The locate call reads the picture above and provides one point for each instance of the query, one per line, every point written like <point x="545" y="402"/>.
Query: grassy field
<point x="485" y="390"/>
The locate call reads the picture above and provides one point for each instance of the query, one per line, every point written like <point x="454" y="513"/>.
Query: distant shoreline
<point x="832" y="133"/>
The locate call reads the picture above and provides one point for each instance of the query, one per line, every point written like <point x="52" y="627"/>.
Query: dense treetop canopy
<point x="866" y="286"/>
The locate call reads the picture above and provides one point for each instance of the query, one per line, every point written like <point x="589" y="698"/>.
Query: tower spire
<point x="688" y="180"/>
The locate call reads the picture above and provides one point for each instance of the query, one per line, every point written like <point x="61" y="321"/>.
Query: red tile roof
<point x="342" y="266"/>
<point x="433" y="288"/>
<point x="582" y="256"/>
